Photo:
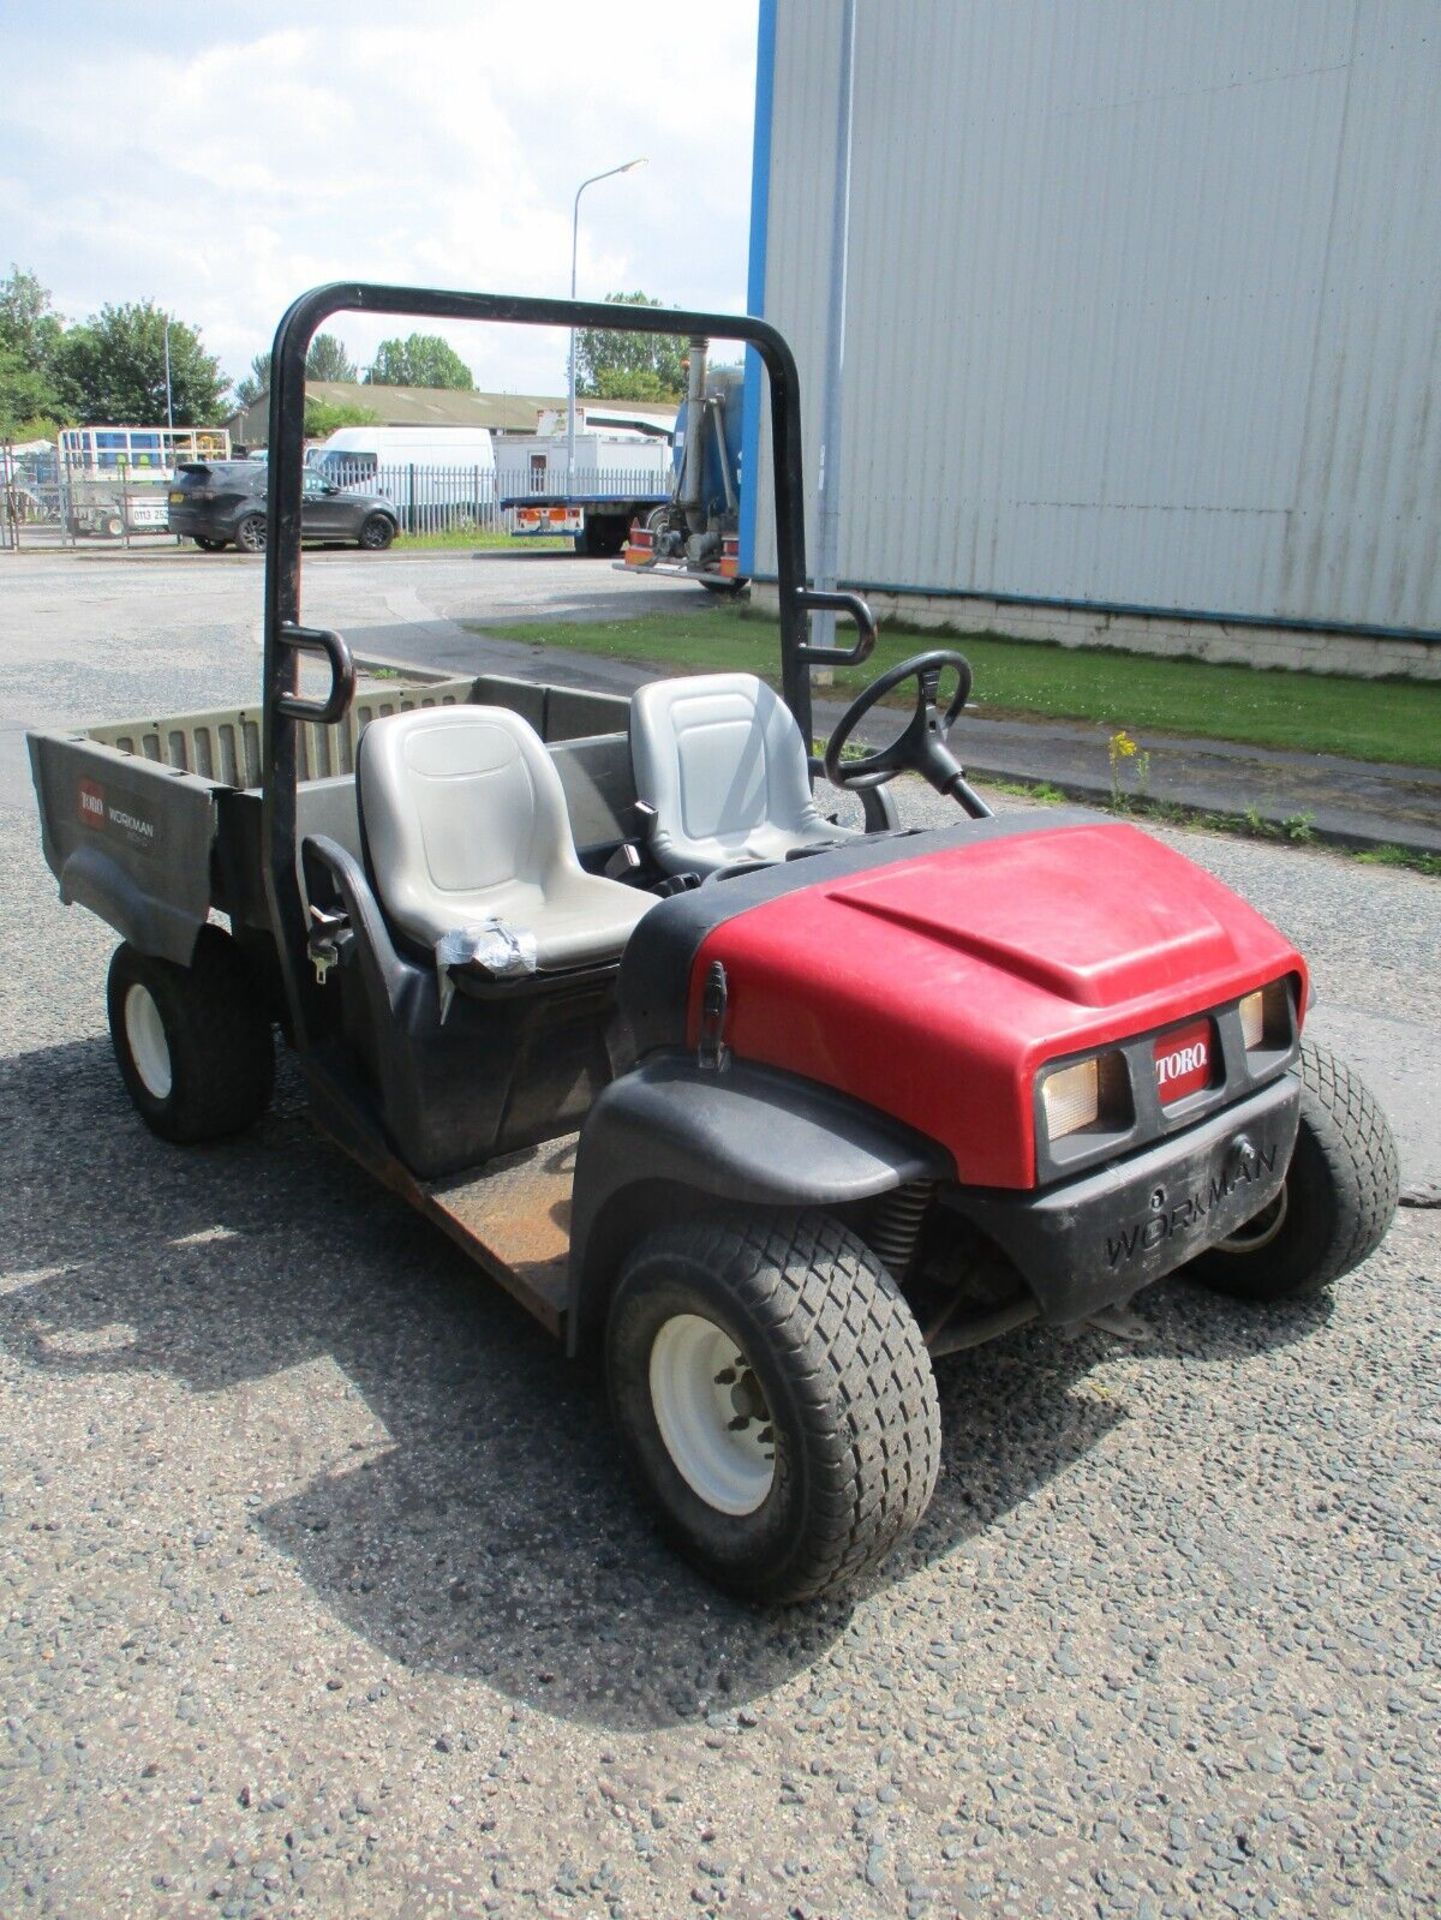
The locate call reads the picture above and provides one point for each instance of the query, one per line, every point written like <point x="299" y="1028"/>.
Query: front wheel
<point x="1341" y="1191"/>
<point x="206" y="544"/>
<point x="377" y="533"/>
<point x="776" y="1399"/>
<point x="193" y="1043"/>
<point x="250" y="534"/>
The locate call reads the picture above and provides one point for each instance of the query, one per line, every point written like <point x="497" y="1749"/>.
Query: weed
<point x="1390" y="856"/>
<point x="1123" y="752"/>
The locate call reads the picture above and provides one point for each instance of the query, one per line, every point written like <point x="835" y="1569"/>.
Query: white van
<point x="435" y="476"/>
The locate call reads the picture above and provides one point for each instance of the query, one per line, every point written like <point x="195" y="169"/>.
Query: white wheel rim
<point x="145" y="1036"/>
<point x="1261" y="1230"/>
<point x="712" y="1414"/>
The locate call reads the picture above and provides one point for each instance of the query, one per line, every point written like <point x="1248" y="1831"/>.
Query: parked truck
<point x="591" y="487"/>
<point x="696" y="531"/>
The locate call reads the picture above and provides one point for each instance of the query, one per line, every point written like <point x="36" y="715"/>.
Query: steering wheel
<point x="921" y="747"/>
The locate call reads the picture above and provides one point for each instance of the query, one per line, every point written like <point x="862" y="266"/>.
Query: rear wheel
<point x="377" y="533"/>
<point x="603" y="536"/>
<point x="776" y="1399"/>
<point x="250" y="534"/>
<point x="193" y="1043"/>
<point x="1341" y="1191"/>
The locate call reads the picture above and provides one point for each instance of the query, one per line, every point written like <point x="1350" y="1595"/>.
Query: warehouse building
<point x="407" y="407"/>
<point x="1140" y="337"/>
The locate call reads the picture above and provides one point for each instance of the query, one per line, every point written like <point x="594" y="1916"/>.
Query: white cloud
<point x="223" y="171"/>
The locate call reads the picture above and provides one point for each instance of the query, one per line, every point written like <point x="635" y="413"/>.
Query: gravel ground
<point x="323" y="1590"/>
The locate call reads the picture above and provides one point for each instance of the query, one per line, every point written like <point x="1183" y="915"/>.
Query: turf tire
<point x="217" y="1044"/>
<point x="1341" y="1191"/>
<point x="847" y="1382"/>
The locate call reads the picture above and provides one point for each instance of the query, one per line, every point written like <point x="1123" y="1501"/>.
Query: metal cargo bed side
<point x="127" y="837"/>
<point x="151" y="824"/>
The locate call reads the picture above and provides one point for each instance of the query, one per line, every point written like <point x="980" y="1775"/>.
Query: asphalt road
<point x="321" y="1589"/>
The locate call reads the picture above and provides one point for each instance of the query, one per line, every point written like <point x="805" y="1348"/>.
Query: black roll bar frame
<point x="286" y="639"/>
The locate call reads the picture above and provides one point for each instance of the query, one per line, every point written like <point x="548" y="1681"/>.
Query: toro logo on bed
<point x="92" y="803"/>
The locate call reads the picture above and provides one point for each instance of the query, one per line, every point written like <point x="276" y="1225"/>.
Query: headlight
<point x="1072" y="1098"/>
<point x="1266" y="1017"/>
<point x="1091" y="1093"/>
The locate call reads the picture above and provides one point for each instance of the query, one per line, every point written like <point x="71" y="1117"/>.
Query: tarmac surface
<point x="322" y="1589"/>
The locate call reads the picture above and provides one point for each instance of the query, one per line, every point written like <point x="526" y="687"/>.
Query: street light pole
<point x="574" y="247"/>
<point x="169" y="408"/>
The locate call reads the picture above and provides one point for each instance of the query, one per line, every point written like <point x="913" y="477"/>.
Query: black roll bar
<point x="285" y="638"/>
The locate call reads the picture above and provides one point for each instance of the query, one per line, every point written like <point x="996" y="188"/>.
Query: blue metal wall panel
<point x="1142" y="304"/>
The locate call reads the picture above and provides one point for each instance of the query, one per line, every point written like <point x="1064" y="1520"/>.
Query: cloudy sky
<point x="221" y="161"/>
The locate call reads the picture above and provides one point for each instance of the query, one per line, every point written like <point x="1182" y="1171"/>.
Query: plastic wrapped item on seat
<point x="503" y="951"/>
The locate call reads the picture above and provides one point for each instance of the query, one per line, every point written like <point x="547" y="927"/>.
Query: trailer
<point x="760" y="1114"/>
<point x="614" y="477"/>
<point x="115" y="480"/>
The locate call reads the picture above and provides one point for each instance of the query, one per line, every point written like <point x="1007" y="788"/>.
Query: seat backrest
<point x="718" y="756"/>
<point x="463" y="814"/>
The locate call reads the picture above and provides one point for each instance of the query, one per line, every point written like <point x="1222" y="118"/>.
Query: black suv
<point x="216" y="501"/>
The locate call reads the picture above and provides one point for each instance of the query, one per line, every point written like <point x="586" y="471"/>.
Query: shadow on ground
<point x="498" y="1535"/>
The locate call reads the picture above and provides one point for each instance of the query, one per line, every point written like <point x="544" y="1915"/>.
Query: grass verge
<point x="476" y="539"/>
<point x="1387" y="720"/>
<point x="1296" y="830"/>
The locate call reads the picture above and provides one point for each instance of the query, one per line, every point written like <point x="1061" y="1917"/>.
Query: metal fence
<point x="49" y="497"/>
<point x="431" y="499"/>
<point x="46" y="500"/>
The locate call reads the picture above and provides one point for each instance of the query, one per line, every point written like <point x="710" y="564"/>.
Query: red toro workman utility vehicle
<point x="767" y="1112"/>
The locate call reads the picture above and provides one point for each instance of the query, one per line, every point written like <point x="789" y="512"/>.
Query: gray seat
<point x="720" y="760"/>
<point x="465" y="821"/>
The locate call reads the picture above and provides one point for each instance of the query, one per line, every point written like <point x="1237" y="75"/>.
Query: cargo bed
<point x="154" y="824"/>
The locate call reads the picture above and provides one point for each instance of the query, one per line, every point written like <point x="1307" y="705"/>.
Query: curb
<point x="1355" y="838"/>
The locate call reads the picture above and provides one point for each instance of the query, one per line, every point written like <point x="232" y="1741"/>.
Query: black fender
<point x="91" y="877"/>
<point x="672" y="1134"/>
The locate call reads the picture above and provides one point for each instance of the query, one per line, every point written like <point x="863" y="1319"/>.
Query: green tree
<point x="423" y="360"/>
<point x="252" y="385"/>
<point x="29" y="409"/>
<point x="322" y="419"/>
<point x="116" y="363"/>
<point x="33" y="390"/>
<point x="328" y="360"/>
<point x="614" y="365"/>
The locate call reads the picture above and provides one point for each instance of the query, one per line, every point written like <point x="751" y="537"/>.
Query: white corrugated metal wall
<point x="1143" y="300"/>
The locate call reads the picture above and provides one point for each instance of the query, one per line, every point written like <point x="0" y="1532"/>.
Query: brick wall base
<point x="1300" y="650"/>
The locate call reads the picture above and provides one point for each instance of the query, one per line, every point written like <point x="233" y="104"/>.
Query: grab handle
<point x="328" y="646"/>
<point x="819" y="600"/>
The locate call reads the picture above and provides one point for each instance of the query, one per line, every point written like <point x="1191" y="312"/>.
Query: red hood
<point x="936" y="986"/>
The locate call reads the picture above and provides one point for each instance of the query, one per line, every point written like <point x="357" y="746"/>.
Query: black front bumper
<point x="1088" y="1243"/>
